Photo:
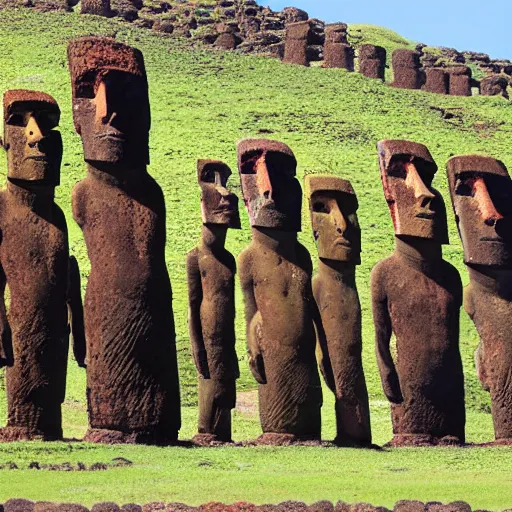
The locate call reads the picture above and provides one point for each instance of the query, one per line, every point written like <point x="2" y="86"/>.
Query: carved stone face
<point x="110" y="101"/>
<point x="272" y="194"/>
<point x="333" y="207"/>
<point x="481" y="192"/>
<point x="417" y="209"/>
<point x="34" y="148"/>
<point x="218" y="204"/>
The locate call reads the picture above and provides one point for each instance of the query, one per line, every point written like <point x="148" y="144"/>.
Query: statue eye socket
<point x="397" y="170"/>
<point x="208" y="176"/>
<point x="464" y="188"/>
<point x="17" y="120"/>
<point x="319" y="207"/>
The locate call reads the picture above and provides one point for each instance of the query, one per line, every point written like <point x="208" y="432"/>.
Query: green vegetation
<point x="203" y="102"/>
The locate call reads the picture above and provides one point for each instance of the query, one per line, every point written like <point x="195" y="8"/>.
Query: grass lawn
<point x="203" y="102"/>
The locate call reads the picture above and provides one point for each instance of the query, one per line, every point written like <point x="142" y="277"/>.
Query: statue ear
<point x="3" y="144"/>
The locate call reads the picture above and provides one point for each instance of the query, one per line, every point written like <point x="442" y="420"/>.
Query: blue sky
<point x="477" y="25"/>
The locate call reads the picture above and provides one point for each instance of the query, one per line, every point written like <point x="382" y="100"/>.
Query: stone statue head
<point x="110" y="101"/>
<point x="407" y="170"/>
<point x="333" y="208"/>
<point x="34" y="148"/>
<point x="481" y="192"/>
<point x="218" y="204"/>
<point x="272" y="194"/>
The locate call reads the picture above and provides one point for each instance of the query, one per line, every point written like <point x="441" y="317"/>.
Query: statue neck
<point x="497" y="281"/>
<point x="341" y="271"/>
<point x="213" y="237"/>
<point x="419" y="253"/>
<point x="116" y="175"/>
<point x="39" y="198"/>
<point x="281" y="242"/>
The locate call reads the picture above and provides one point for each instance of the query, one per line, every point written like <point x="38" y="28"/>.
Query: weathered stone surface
<point x="494" y="85"/>
<point x="132" y="374"/>
<point x="372" y="61"/>
<point x="34" y="337"/>
<point x="211" y="289"/>
<point x="293" y="15"/>
<point x="336" y="33"/>
<point x="338" y="55"/>
<point x="406" y="69"/>
<point x="296" y="43"/>
<point x="333" y="209"/>
<point x="275" y="273"/>
<point x="409" y="506"/>
<point x="425" y="384"/>
<point x="98" y="7"/>
<point x="481" y="191"/>
<point x="18" y="505"/>
<point x="226" y="41"/>
<point x="105" y="507"/>
<point x="459" y="80"/>
<point x="436" y="81"/>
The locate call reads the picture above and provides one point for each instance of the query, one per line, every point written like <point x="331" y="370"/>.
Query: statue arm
<point x="253" y="322"/>
<point x="383" y="332"/>
<point x="195" y="298"/>
<point x="322" y="351"/>
<point x="76" y="312"/>
<point x="6" y="350"/>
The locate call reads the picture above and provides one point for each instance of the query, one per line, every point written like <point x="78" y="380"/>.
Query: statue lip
<point x="37" y="158"/>
<point x="343" y="242"/>
<point x="111" y="135"/>
<point x="426" y="215"/>
<point x="492" y="239"/>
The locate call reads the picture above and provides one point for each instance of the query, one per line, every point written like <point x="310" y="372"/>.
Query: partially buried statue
<point x="275" y="273"/>
<point x="333" y="206"/>
<point x="132" y="375"/>
<point x="481" y="191"/>
<point x="417" y="296"/>
<point x="34" y="264"/>
<point x="211" y="288"/>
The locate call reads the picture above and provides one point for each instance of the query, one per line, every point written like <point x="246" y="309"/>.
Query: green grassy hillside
<point x="203" y="102"/>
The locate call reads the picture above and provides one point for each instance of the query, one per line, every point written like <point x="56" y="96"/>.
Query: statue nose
<point x="33" y="132"/>
<point x="263" y="179"/>
<point x="486" y="206"/>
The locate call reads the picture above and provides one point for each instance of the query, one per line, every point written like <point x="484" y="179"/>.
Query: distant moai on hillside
<point x="494" y="85"/>
<point x="459" y="80"/>
<point x="98" y="7"/>
<point x="337" y="52"/>
<point x="296" y="43"/>
<point x="372" y="61"/>
<point x="436" y="81"/>
<point x="406" y="69"/>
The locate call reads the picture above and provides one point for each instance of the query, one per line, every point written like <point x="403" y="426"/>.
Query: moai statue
<point x="337" y="52"/>
<point x="333" y="207"/>
<point x="34" y="264"/>
<point x="460" y="80"/>
<point x="436" y="81"/>
<point x="275" y="273"/>
<point x="132" y="374"/>
<point x="481" y="191"/>
<point x="494" y="85"/>
<point x="211" y="289"/>
<point x="296" y="43"/>
<point x="372" y="61"/>
<point x="98" y="7"/>
<point x="417" y="296"/>
<point x="406" y="69"/>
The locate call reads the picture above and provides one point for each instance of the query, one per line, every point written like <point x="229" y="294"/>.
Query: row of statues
<point x="295" y="323"/>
